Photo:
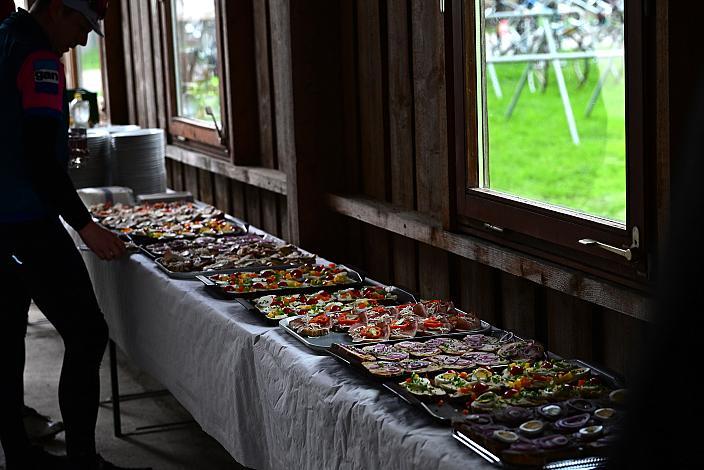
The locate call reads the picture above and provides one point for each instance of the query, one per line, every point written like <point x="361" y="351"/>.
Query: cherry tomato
<point x="510" y="392"/>
<point x="282" y="284"/>
<point x="516" y="370"/>
<point x="480" y="388"/>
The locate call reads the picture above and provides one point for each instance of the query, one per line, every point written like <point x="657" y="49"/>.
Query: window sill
<point x="264" y="178"/>
<point x="425" y="229"/>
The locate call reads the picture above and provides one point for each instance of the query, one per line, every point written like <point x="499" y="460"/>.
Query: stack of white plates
<point x="93" y="169"/>
<point x="116" y="129"/>
<point x="139" y="160"/>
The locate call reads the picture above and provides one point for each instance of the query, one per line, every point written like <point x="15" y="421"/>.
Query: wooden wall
<point x="263" y="209"/>
<point x="395" y="151"/>
<point x="144" y="92"/>
<point x="385" y="139"/>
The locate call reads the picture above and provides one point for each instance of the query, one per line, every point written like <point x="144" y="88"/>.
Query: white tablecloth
<point x="266" y="398"/>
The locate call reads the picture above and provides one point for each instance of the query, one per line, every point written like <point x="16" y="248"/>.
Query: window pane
<point x="195" y="48"/>
<point x="89" y="73"/>
<point x="554" y="81"/>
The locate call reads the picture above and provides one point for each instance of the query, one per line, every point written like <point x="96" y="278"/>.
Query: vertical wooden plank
<point x="400" y="115"/>
<point x="638" y="335"/>
<point x="621" y="342"/>
<point x="284" y="232"/>
<point x="280" y="23"/>
<point x="432" y="175"/>
<point x="130" y="90"/>
<point x="478" y="291"/>
<point x="141" y="97"/>
<point x="430" y="133"/>
<point x="371" y="106"/>
<point x="239" y="204"/>
<point x="347" y="175"/>
<point x="376" y="253"/>
<point x="371" y="125"/>
<point x="433" y="272"/>
<point x="222" y="193"/>
<point x="570" y="326"/>
<point x="205" y="187"/>
<point x="177" y="176"/>
<point x="119" y="74"/>
<point x="254" y="210"/>
<point x="400" y="98"/>
<point x="268" y="210"/>
<point x="611" y="350"/>
<point x="147" y="53"/>
<point x="190" y="179"/>
<point x="237" y="38"/>
<point x="518" y="305"/>
<point x="169" y="172"/>
<point x="159" y="89"/>
<point x="261" y="53"/>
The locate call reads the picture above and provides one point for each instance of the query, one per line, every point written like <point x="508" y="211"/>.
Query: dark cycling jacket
<point x="34" y="181"/>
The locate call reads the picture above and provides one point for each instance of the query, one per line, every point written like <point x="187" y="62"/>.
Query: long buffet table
<point x="270" y="401"/>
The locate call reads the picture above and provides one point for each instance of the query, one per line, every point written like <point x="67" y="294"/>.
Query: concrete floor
<point x="183" y="448"/>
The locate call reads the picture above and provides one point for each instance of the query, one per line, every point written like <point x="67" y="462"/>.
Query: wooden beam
<point x="428" y="230"/>
<point x="264" y="178"/>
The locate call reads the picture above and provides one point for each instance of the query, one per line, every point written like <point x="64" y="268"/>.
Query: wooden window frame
<point x="238" y="104"/>
<point x="537" y="228"/>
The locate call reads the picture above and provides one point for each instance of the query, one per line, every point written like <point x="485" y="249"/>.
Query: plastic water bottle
<point x="79" y="110"/>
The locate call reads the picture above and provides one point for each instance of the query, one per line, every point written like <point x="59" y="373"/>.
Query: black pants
<point x="53" y="274"/>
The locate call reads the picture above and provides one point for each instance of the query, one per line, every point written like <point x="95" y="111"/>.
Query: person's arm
<point x="49" y="179"/>
<point x="40" y="82"/>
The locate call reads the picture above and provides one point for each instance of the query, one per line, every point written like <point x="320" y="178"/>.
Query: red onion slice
<point x="552" y="442"/>
<point x="573" y="423"/>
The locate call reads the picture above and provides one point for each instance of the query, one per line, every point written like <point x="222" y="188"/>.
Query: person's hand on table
<point x="102" y="242"/>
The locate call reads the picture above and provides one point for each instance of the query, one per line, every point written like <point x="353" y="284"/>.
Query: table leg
<point x="115" y="390"/>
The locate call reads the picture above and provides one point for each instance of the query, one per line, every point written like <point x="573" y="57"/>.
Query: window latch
<point x="221" y="136"/>
<point x="629" y="253"/>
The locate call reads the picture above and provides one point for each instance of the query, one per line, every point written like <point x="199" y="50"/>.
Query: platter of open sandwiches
<point x="150" y="222"/>
<point x="209" y="255"/>
<point x="343" y="303"/>
<point x="280" y="281"/>
<point x="505" y="397"/>
<point x="355" y="324"/>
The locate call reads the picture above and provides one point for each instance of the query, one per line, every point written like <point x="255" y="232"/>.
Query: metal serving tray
<point x="447" y="413"/>
<point x="143" y="241"/>
<point x="402" y="297"/>
<point x="324" y="343"/>
<point x="194" y="274"/>
<point x="217" y="291"/>
<point x="586" y="463"/>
